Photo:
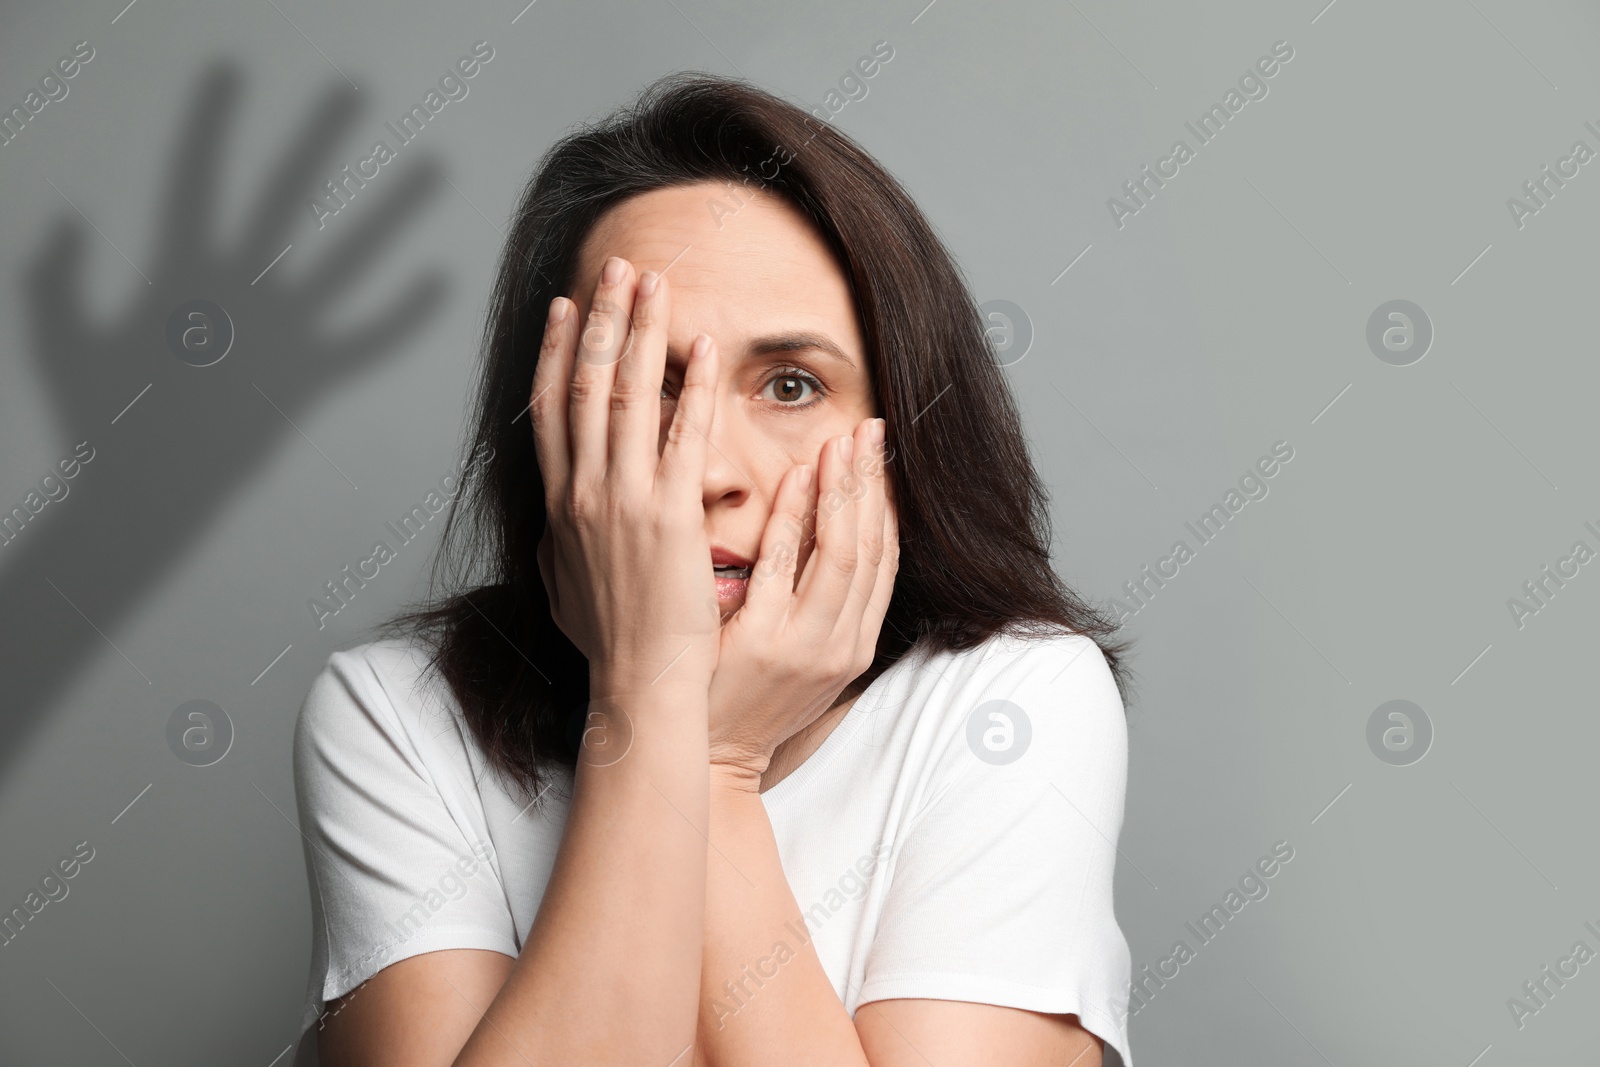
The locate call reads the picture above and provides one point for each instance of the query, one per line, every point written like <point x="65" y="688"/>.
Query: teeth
<point x="732" y="572"/>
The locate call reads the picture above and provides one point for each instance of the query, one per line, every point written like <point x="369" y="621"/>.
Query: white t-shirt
<point x="953" y="838"/>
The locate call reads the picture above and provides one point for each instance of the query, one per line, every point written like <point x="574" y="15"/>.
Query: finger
<point x="547" y="401"/>
<point x="55" y="303"/>
<point x="771" y="585"/>
<point x="605" y="331"/>
<point x="400" y="320"/>
<point x="867" y="466"/>
<point x="283" y="197"/>
<point x="867" y="469"/>
<point x="682" y="468"/>
<point x="369" y="233"/>
<point x="831" y="568"/>
<point x="889" y="562"/>
<point x="189" y="206"/>
<point x="636" y="393"/>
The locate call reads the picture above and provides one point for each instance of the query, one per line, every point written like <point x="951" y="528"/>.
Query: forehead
<point x="737" y="260"/>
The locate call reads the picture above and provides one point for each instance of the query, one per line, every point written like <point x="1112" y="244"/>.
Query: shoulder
<point x="1067" y="658"/>
<point x="382" y="694"/>
<point x="1062" y="674"/>
<point x="1024" y="702"/>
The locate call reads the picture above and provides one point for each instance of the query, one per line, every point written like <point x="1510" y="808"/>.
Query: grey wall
<point x="1228" y="314"/>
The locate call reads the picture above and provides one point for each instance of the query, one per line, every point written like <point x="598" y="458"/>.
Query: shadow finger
<point x="300" y="175"/>
<point x="381" y="224"/>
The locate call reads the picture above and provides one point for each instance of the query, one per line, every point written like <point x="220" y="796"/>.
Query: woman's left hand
<point x="792" y="648"/>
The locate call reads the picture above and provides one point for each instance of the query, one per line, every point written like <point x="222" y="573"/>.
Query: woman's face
<point x="752" y="272"/>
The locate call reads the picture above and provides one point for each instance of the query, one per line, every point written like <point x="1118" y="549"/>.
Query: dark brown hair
<point x="973" y="517"/>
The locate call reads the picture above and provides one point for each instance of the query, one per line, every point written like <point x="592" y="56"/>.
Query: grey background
<point x="1227" y="315"/>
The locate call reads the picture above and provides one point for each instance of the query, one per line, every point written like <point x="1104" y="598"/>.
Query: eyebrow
<point x="797" y="341"/>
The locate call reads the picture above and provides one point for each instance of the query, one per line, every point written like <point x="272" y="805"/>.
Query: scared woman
<point x="750" y="723"/>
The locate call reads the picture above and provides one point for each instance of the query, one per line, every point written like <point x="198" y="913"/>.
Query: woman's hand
<point x="792" y="648"/>
<point x="625" y="556"/>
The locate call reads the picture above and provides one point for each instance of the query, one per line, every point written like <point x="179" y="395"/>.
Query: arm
<point x="954" y="1033"/>
<point x="787" y="1013"/>
<point x="610" y="970"/>
<point x="796" y="1018"/>
<point x="1009" y="870"/>
<point x="765" y="996"/>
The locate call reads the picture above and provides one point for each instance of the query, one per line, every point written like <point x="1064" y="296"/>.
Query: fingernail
<point x="613" y="272"/>
<point x="875" y="432"/>
<point x="847" y="448"/>
<point x="647" y="282"/>
<point x="805" y="476"/>
<point x="558" y="309"/>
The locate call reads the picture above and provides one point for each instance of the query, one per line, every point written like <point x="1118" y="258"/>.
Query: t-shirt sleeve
<point x="1001" y="892"/>
<point x="396" y="865"/>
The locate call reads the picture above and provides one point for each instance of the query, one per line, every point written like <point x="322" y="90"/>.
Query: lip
<point x="722" y="557"/>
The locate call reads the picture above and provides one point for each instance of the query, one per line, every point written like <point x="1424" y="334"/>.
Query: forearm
<point x="765" y="998"/>
<point x="610" y="970"/>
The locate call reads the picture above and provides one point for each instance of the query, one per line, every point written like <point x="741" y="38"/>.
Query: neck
<point x="794" y="751"/>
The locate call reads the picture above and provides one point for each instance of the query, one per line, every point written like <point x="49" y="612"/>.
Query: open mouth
<point x="732" y="574"/>
<point x="729" y="565"/>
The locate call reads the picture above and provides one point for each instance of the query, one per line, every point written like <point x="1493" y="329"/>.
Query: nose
<point x="729" y="474"/>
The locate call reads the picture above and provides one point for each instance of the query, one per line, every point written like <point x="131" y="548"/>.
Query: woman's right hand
<point x="625" y="556"/>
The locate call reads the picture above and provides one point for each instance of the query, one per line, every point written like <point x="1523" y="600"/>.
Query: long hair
<point x="973" y="515"/>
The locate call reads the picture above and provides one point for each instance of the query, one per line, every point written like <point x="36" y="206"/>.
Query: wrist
<point x="623" y="716"/>
<point x="676" y="686"/>
<point x="741" y="776"/>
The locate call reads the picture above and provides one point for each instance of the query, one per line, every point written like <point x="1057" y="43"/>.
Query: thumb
<point x="56" y="286"/>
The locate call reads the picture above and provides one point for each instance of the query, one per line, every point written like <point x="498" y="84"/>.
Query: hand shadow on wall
<point x="164" y="471"/>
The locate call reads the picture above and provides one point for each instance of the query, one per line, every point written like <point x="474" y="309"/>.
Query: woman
<point x="742" y="736"/>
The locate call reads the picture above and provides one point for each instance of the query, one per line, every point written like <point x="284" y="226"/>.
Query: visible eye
<point x="790" y="384"/>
